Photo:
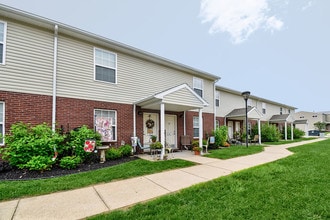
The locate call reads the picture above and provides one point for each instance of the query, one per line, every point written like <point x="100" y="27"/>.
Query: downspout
<point x="214" y="105"/>
<point x="134" y="120"/>
<point x="54" y="78"/>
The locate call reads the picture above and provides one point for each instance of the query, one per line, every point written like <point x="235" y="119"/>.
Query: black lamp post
<point x="246" y="96"/>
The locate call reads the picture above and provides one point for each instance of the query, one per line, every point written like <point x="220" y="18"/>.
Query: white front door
<point x="170" y="130"/>
<point x="151" y="126"/>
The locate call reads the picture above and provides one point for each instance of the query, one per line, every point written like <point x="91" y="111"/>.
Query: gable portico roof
<point x="281" y="118"/>
<point x="239" y="113"/>
<point x="179" y="98"/>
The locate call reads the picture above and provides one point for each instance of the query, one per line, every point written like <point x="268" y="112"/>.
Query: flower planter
<point x="197" y="152"/>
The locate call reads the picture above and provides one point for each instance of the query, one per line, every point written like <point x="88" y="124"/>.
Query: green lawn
<point x="288" y="141"/>
<point x="235" y="151"/>
<point x="18" y="189"/>
<point x="296" y="187"/>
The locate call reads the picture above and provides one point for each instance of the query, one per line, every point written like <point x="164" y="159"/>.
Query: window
<point x="105" y="65"/>
<point x="217" y="98"/>
<point x="263" y="108"/>
<point x="2" y="122"/>
<point x="217" y="123"/>
<point x="196" y="126"/>
<point x="2" y="42"/>
<point x="198" y="86"/>
<point x="105" y="124"/>
<point x="249" y="102"/>
<point x="281" y="111"/>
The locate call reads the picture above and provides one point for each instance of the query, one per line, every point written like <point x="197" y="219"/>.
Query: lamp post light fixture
<point x="246" y="96"/>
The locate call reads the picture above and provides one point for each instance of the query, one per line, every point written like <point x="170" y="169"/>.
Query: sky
<point x="277" y="49"/>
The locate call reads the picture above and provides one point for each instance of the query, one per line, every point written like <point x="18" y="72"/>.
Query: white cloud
<point x="239" y="18"/>
<point x="305" y="7"/>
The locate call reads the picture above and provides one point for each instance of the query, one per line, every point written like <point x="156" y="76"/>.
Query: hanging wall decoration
<point x="150" y="123"/>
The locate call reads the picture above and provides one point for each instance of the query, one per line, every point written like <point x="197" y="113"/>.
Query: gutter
<point x="54" y="78"/>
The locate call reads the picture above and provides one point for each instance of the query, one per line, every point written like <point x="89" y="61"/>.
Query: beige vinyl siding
<point x="29" y="60"/>
<point x="182" y="96"/>
<point x="229" y="102"/>
<point x="136" y="78"/>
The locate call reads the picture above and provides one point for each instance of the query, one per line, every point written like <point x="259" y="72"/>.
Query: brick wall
<point x="70" y="113"/>
<point x="27" y="108"/>
<point x="208" y="123"/>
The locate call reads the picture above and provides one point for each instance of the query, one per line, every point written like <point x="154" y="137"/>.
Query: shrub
<point x="270" y="133"/>
<point x="113" y="153"/>
<point x="70" y="162"/>
<point x="220" y="135"/>
<point x="39" y="163"/>
<point x="297" y="133"/>
<point x="76" y="141"/>
<point x="126" y="150"/>
<point x="156" y="145"/>
<point x="24" y="142"/>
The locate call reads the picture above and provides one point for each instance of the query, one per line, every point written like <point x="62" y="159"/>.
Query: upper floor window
<point x="263" y="108"/>
<point x="198" y="86"/>
<point x="2" y="122"/>
<point x="106" y="124"/>
<point x="249" y="102"/>
<point x="2" y="42"/>
<point x="217" y="98"/>
<point x="281" y="111"/>
<point x="105" y="65"/>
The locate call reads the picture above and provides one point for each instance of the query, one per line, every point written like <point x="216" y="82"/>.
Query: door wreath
<point x="150" y="123"/>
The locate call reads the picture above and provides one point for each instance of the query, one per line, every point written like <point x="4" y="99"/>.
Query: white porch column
<point x="259" y="131"/>
<point x="286" y="130"/>
<point x="162" y="129"/>
<point x="292" y="131"/>
<point x="134" y="120"/>
<point x="184" y="123"/>
<point x="200" y="117"/>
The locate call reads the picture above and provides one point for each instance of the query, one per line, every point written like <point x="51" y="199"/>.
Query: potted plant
<point x="153" y="138"/>
<point x="195" y="147"/>
<point x="156" y="145"/>
<point x="197" y="150"/>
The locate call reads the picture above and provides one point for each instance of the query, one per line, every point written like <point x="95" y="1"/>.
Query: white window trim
<point x="217" y="97"/>
<point x="115" y="68"/>
<point x="194" y="126"/>
<point x="3" y="123"/>
<point x="115" y="125"/>
<point x="264" y="107"/>
<point x="196" y="78"/>
<point x="4" y="42"/>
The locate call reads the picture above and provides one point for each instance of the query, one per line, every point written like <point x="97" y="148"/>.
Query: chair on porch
<point x="141" y="146"/>
<point x="185" y="142"/>
<point x="210" y="141"/>
<point x="255" y="139"/>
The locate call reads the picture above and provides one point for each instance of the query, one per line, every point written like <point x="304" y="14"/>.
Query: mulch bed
<point x="9" y="173"/>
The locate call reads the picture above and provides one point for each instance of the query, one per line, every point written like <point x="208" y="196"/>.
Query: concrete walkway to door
<point x="93" y="200"/>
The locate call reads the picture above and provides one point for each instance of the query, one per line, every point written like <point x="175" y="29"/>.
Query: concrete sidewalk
<point x="89" y="201"/>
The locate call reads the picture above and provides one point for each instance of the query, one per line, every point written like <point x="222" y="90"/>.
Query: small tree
<point x="320" y="125"/>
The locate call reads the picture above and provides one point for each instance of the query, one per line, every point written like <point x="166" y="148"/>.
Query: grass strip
<point x="295" y="187"/>
<point x="24" y="188"/>
<point x="235" y="151"/>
